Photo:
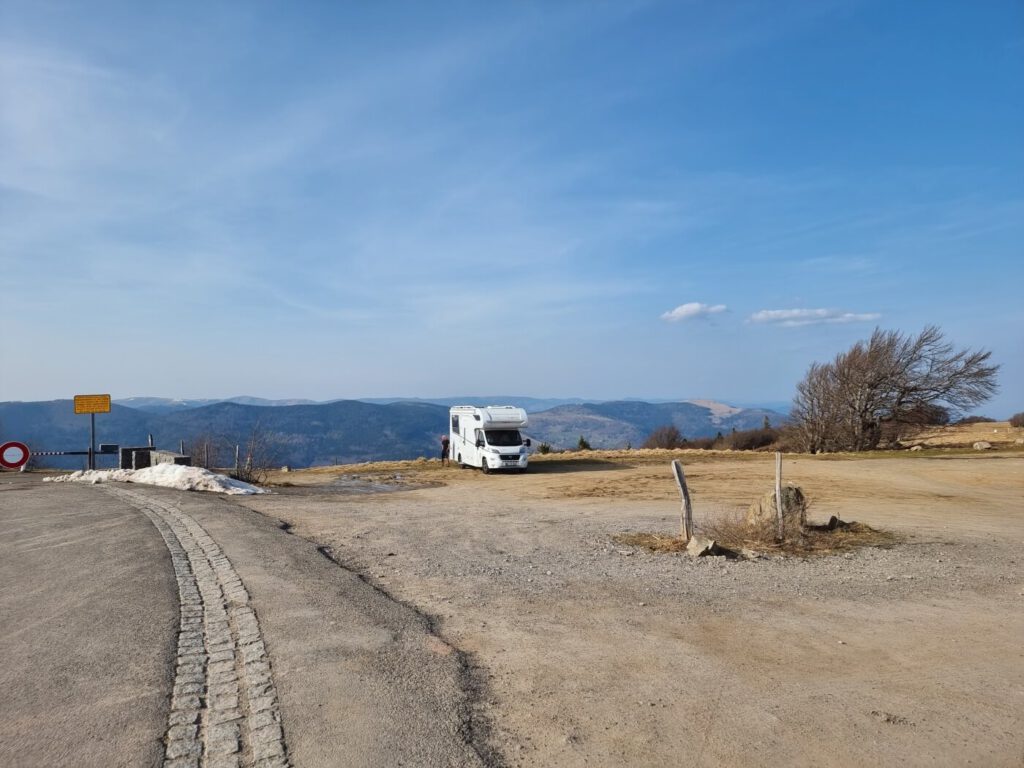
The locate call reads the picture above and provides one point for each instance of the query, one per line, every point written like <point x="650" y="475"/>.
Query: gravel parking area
<point x="588" y="652"/>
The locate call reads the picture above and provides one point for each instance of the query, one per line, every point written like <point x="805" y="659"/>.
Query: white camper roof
<point x="495" y="416"/>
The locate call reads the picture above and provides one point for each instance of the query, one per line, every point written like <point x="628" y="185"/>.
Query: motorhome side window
<point x="455" y="424"/>
<point x="478" y="435"/>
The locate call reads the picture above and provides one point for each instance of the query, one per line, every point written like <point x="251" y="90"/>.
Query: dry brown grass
<point x="634" y="456"/>
<point x="998" y="433"/>
<point x="811" y="540"/>
<point x="733" y="533"/>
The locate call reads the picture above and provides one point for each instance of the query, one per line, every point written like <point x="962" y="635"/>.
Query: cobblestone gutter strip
<point x="224" y="709"/>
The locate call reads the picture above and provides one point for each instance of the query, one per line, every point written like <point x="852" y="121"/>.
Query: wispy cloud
<point x="692" y="310"/>
<point x="792" y="318"/>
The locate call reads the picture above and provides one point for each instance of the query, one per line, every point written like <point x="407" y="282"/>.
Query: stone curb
<point x="224" y="707"/>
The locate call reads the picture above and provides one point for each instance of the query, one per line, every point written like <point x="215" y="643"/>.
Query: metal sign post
<point x="92" y="404"/>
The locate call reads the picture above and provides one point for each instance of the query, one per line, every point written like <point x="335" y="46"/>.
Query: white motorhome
<point x="488" y="437"/>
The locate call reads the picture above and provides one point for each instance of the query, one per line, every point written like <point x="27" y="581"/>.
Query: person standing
<point x="445" y="446"/>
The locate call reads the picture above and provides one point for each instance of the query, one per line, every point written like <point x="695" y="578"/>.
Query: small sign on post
<point x="686" y="512"/>
<point x="92" y="404"/>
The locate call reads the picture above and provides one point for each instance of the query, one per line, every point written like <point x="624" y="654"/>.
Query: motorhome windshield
<point x="504" y="437"/>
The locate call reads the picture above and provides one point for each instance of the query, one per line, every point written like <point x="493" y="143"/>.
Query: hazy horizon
<point x="496" y="399"/>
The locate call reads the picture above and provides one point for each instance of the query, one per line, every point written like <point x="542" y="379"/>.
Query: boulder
<point x="982" y="445"/>
<point x="699" y="546"/>
<point x="794" y="505"/>
<point x="1019" y="441"/>
<point x="917" y="447"/>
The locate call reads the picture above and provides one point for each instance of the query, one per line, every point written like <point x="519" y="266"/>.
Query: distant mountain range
<point x="167" y="405"/>
<point x="306" y="434"/>
<point x="617" y="424"/>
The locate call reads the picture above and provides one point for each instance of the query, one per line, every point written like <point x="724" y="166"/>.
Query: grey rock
<point x="702" y="547"/>
<point x="794" y="504"/>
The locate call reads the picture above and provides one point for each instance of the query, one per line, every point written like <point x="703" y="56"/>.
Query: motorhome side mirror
<point x="528" y="443"/>
<point x="479" y="443"/>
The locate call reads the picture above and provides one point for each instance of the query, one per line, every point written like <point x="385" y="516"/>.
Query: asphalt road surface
<point x="88" y="619"/>
<point x="143" y="626"/>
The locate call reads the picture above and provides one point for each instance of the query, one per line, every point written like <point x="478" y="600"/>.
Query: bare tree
<point x="209" y="451"/>
<point x="256" y="456"/>
<point x="890" y="379"/>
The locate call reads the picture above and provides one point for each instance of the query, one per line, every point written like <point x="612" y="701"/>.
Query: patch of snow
<point x="164" y="475"/>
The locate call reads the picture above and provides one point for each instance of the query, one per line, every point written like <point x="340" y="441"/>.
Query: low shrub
<point x="667" y="436"/>
<point x="752" y="439"/>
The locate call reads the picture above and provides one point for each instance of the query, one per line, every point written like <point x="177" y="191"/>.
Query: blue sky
<point x="629" y="199"/>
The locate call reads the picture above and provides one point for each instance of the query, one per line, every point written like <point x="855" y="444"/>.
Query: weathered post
<point x="181" y="452"/>
<point x="778" y="494"/>
<point x="236" y="459"/>
<point x="206" y="454"/>
<point x="151" y="441"/>
<point x="686" y="512"/>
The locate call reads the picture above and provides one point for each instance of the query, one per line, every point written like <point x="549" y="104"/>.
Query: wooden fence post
<point x="778" y="494"/>
<point x="686" y="512"/>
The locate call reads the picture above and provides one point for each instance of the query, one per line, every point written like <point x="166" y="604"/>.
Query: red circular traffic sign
<point x="13" y="455"/>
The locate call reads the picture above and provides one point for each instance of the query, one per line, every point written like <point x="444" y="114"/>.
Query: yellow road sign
<point x="92" y="403"/>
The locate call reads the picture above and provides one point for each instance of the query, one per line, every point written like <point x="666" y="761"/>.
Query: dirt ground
<point x="589" y="653"/>
<point x="998" y="433"/>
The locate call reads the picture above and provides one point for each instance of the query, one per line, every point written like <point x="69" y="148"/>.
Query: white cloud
<point x="691" y="310"/>
<point x="792" y="318"/>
